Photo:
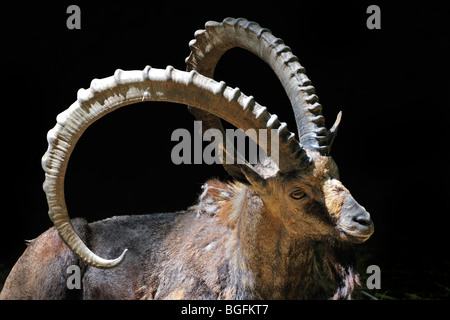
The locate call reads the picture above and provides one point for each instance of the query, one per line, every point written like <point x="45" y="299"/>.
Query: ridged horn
<point x="210" y="44"/>
<point x="128" y="87"/>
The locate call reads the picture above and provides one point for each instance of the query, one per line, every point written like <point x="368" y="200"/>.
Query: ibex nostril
<point x="362" y="220"/>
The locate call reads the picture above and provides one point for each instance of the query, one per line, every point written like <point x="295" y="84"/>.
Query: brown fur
<point x="53" y="257"/>
<point x="235" y="243"/>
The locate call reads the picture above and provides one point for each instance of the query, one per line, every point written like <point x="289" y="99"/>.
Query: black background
<point x="391" y="84"/>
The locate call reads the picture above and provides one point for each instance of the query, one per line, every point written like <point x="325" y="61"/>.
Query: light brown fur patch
<point x="220" y="199"/>
<point x="335" y="194"/>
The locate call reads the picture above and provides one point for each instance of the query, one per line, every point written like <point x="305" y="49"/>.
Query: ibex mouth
<point x="357" y="236"/>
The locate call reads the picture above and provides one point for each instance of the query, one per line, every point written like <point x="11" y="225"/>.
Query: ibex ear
<point x="258" y="182"/>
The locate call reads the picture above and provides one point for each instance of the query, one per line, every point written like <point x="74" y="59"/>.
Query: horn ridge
<point x="210" y="45"/>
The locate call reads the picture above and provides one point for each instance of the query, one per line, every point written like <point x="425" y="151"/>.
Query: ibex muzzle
<point x="355" y="221"/>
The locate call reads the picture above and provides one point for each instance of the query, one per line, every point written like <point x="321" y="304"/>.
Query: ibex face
<point x="313" y="203"/>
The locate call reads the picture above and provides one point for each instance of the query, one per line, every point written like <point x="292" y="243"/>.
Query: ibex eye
<point x="297" y="194"/>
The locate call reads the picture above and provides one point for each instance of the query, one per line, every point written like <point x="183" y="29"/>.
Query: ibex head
<point x="311" y="202"/>
<point x="304" y="191"/>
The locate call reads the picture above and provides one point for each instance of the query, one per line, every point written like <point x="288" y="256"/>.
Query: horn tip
<point x="108" y="264"/>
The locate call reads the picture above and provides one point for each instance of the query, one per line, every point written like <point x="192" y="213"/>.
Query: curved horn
<point x="128" y="87"/>
<point x="210" y="44"/>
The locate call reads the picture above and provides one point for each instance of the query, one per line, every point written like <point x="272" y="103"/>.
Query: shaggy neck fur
<point x="266" y="262"/>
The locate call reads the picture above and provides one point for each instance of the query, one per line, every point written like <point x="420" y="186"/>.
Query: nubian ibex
<point x="275" y="232"/>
